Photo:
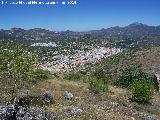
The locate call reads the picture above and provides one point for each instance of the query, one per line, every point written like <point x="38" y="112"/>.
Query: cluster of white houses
<point x="64" y="63"/>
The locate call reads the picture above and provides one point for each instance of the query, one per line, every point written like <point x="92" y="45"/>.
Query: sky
<point x="82" y="16"/>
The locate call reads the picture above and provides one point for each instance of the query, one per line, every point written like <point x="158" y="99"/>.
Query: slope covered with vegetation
<point x="146" y="58"/>
<point x="123" y="86"/>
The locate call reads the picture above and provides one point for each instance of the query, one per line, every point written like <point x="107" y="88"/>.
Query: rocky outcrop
<point x="12" y="112"/>
<point x="21" y="109"/>
<point x="34" y="113"/>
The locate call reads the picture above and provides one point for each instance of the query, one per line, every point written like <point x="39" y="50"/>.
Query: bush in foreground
<point x="16" y="67"/>
<point x="98" y="82"/>
<point x="73" y="76"/>
<point x="17" y="71"/>
<point x="130" y="75"/>
<point x="141" y="91"/>
<point x="39" y="74"/>
<point x="97" y="85"/>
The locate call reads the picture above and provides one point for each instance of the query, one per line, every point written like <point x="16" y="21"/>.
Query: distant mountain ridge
<point x="133" y="34"/>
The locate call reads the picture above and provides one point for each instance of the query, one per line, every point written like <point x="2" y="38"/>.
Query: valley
<point x="107" y="74"/>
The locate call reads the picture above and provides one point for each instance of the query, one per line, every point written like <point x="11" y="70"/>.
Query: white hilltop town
<point x="50" y="44"/>
<point x="62" y="63"/>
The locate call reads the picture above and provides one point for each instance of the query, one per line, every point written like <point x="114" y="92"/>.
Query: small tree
<point x="142" y="91"/>
<point x="16" y="67"/>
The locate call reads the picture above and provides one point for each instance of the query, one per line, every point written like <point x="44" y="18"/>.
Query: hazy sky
<point x="85" y="15"/>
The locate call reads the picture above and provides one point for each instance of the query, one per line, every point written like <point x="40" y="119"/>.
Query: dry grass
<point x="104" y="106"/>
<point x="95" y="107"/>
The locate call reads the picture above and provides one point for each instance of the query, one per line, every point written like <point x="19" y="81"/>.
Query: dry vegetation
<point x="147" y="58"/>
<point x="114" y="105"/>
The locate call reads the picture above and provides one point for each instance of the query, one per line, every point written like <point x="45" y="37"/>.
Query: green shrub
<point x="98" y="81"/>
<point x="74" y="76"/>
<point x="16" y="66"/>
<point x="97" y="85"/>
<point x="130" y="75"/>
<point x="142" y="91"/>
<point x="39" y="74"/>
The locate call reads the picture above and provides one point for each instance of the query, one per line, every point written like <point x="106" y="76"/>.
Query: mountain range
<point x="135" y="34"/>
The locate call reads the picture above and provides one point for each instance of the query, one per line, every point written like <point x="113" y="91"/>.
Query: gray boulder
<point x="76" y="111"/>
<point x="151" y="117"/>
<point x="34" y="113"/>
<point x="24" y="101"/>
<point x="8" y="112"/>
<point x="68" y="95"/>
<point x="22" y="110"/>
<point x="47" y="97"/>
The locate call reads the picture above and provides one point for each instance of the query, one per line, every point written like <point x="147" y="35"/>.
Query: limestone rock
<point x="68" y="95"/>
<point x="47" y="97"/>
<point x="76" y="111"/>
